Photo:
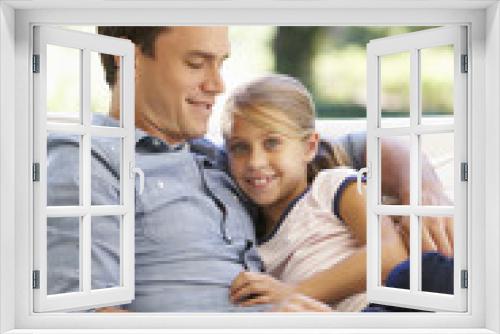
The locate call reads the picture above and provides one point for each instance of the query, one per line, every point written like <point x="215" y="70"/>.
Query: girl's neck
<point x="271" y="219"/>
<point x="273" y="214"/>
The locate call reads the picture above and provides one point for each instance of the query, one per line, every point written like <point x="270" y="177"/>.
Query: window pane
<point x="387" y="176"/>
<point x="437" y="76"/>
<point x="63" y="84"/>
<point x="106" y="170"/>
<point x="438" y="149"/>
<point x="100" y="102"/>
<point x="434" y="265"/>
<point x="398" y="278"/>
<point x="106" y="255"/>
<point x="395" y="90"/>
<point x="63" y="177"/>
<point x="63" y="255"/>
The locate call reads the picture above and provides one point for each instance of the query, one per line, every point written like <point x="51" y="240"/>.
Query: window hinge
<point x="36" y="279"/>
<point x="465" y="279"/>
<point x="465" y="64"/>
<point x="36" y="172"/>
<point x="464" y="171"/>
<point x="36" y="63"/>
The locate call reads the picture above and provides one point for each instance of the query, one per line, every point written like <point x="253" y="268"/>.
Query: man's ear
<point x="138" y="61"/>
<point x="312" y="142"/>
<point x="116" y="59"/>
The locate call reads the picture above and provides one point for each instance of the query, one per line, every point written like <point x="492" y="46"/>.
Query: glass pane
<point x="63" y="255"/>
<point x="437" y="149"/>
<point x="395" y="233"/>
<point x="63" y="177"/>
<point x="106" y="231"/>
<point x="436" y="75"/>
<point x="398" y="185"/>
<point x="395" y="90"/>
<point x="63" y="84"/>
<point x="435" y="265"/>
<point x="106" y="170"/>
<point x="100" y="92"/>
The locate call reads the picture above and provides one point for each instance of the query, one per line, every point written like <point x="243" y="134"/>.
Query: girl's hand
<point x="249" y="288"/>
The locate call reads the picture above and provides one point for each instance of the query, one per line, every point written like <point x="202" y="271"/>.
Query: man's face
<point x="176" y="89"/>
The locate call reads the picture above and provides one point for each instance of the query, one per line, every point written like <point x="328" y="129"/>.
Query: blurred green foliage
<point x="331" y="62"/>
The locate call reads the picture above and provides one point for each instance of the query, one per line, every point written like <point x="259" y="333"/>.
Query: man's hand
<point x="437" y="232"/>
<point x="249" y="288"/>
<point x="394" y="250"/>
<point x="301" y="303"/>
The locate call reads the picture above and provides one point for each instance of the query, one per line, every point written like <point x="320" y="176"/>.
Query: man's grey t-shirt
<point x="354" y="146"/>
<point x="193" y="234"/>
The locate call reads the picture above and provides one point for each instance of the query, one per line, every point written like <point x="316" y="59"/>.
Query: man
<point x="193" y="234"/>
<point x="193" y="231"/>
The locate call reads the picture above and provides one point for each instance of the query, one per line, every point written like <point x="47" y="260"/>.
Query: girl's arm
<point x="349" y="275"/>
<point x="339" y="281"/>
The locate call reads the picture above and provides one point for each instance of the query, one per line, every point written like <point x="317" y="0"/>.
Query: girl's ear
<point x="312" y="142"/>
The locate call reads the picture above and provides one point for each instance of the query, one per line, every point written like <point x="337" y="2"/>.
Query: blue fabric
<point x="192" y="233"/>
<point x="437" y="276"/>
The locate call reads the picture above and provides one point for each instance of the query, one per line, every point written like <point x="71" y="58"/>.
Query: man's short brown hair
<point x="143" y="37"/>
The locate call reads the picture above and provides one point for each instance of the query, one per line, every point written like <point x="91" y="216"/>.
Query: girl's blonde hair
<point x="281" y="104"/>
<point x="275" y="102"/>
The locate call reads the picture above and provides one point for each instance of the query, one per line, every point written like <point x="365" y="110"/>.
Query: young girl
<point x="312" y="226"/>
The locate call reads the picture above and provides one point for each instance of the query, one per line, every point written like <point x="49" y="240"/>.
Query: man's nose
<point x="213" y="82"/>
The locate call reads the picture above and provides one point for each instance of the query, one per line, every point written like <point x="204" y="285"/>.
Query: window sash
<point x="87" y="297"/>
<point x="412" y="43"/>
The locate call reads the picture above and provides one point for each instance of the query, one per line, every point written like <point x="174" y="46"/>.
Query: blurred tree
<point x="294" y="49"/>
<point x="345" y="36"/>
<point x="330" y="62"/>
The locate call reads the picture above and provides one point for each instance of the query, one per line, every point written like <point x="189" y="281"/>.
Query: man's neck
<point x="151" y="129"/>
<point x="144" y="124"/>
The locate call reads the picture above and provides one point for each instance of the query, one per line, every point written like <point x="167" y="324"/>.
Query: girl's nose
<point x="258" y="159"/>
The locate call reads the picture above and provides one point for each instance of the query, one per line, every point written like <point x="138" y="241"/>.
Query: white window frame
<point x="483" y="18"/>
<point x="86" y="297"/>
<point x="411" y="44"/>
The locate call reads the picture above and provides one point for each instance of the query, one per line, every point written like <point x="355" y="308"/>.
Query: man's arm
<point x="438" y="231"/>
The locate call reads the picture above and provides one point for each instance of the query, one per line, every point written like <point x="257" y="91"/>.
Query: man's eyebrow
<point x="204" y="54"/>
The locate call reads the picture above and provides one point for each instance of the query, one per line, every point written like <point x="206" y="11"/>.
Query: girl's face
<point x="270" y="168"/>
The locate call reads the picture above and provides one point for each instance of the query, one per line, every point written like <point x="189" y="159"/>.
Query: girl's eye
<point x="238" y="148"/>
<point x="271" y="143"/>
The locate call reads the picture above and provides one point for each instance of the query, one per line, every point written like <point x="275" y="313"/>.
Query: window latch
<point x="359" y="176"/>
<point x="137" y="171"/>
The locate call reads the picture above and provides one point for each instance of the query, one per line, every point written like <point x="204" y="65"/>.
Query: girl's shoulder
<point x="328" y="182"/>
<point x="334" y="175"/>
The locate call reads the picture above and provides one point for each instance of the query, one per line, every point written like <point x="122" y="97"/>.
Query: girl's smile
<point x="269" y="166"/>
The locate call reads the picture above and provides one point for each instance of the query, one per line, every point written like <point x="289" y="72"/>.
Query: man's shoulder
<point x="214" y="153"/>
<point x="353" y="145"/>
<point x="104" y="150"/>
<point x="351" y="138"/>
